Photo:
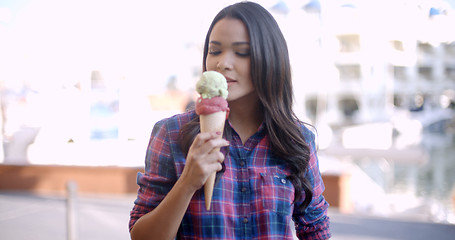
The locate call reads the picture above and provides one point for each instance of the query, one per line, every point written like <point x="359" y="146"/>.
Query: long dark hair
<point x="271" y="77"/>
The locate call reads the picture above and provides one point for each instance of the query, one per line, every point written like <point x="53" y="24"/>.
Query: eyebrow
<point x="234" y="44"/>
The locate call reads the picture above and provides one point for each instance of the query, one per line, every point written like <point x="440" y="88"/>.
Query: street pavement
<point x="25" y="216"/>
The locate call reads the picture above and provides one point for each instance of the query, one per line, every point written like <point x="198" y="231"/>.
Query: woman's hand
<point x="203" y="159"/>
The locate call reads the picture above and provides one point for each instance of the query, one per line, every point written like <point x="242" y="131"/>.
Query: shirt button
<point x="283" y="181"/>
<point x="245" y="220"/>
<point x="244" y="189"/>
<point x="242" y="163"/>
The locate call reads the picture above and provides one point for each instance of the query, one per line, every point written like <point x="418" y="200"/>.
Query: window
<point x="349" y="106"/>
<point x="425" y="48"/>
<point x="398" y="100"/>
<point x="311" y="106"/>
<point x="426" y="73"/>
<point x="450" y="49"/>
<point x="349" y="72"/>
<point x="450" y="72"/>
<point x="397" y="45"/>
<point x="399" y="73"/>
<point x="349" y="43"/>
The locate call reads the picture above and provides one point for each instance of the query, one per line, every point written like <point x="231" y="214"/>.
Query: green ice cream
<point x="212" y="84"/>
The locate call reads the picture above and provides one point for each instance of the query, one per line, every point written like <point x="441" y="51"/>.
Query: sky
<point x="137" y="38"/>
<point x="48" y="41"/>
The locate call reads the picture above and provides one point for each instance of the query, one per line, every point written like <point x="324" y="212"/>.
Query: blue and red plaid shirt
<point x="253" y="199"/>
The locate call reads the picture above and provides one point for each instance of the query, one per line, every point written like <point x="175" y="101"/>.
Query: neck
<point x="245" y="117"/>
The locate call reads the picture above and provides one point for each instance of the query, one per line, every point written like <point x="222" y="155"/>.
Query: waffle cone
<point x="213" y="122"/>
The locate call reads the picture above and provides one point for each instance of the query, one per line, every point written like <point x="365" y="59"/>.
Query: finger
<point x="214" y="146"/>
<point x="215" y="157"/>
<point x="210" y="135"/>
<point x="219" y="167"/>
<point x="202" y="138"/>
<point x="208" y="153"/>
<point x="220" y="157"/>
<point x="215" y="167"/>
<point x="217" y="143"/>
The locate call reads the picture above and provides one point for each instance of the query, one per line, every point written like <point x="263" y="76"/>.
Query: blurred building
<point x="381" y="56"/>
<point x="377" y="78"/>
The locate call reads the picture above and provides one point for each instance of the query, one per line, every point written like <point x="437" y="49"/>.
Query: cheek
<point x="210" y="63"/>
<point x="244" y="67"/>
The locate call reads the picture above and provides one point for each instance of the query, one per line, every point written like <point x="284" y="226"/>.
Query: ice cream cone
<point x="213" y="122"/>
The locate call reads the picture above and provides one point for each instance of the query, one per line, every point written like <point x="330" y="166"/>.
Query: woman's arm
<point x="313" y="223"/>
<point x="163" y="221"/>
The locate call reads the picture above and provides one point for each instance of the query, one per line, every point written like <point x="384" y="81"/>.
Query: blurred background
<point x="83" y="82"/>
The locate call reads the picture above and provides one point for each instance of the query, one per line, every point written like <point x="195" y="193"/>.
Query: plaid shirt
<point x="253" y="199"/>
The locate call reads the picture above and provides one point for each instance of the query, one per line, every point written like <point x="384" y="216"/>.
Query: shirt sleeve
<point x="313" y="222"/>
<point x="159" y="174"/>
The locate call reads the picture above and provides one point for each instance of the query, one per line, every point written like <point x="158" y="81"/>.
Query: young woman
<point x="268" y="181"/>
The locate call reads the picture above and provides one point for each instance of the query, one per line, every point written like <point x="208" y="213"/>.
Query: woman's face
<point x="229" y="54"/>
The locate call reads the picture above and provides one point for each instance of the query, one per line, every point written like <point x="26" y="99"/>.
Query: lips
<point x="230" y="81"/>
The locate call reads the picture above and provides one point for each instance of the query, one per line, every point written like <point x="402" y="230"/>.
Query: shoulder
<point x="170" y="127"/>
<point x="310" y="135"/>
<point x="174" y="123"/>
<point x="164" y="138"/>
<point x="308" y="131"/>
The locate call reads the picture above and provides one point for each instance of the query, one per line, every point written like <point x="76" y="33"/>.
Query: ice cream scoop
<point x="212" y="84"/>
<point x="206" y="106"/>
<point x="213" y="110"/>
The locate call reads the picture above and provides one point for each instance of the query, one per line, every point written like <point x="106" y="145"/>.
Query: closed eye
<point x="243" y="54"/>
<point x="242" y="49"/>
<point x="214" y="52"/>
<point x="214" y="48"/>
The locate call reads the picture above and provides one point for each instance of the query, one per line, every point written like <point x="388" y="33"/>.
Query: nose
<point x="226" y="62"/>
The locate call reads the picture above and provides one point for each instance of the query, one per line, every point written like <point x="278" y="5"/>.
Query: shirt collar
<point x="254" y="139"/>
